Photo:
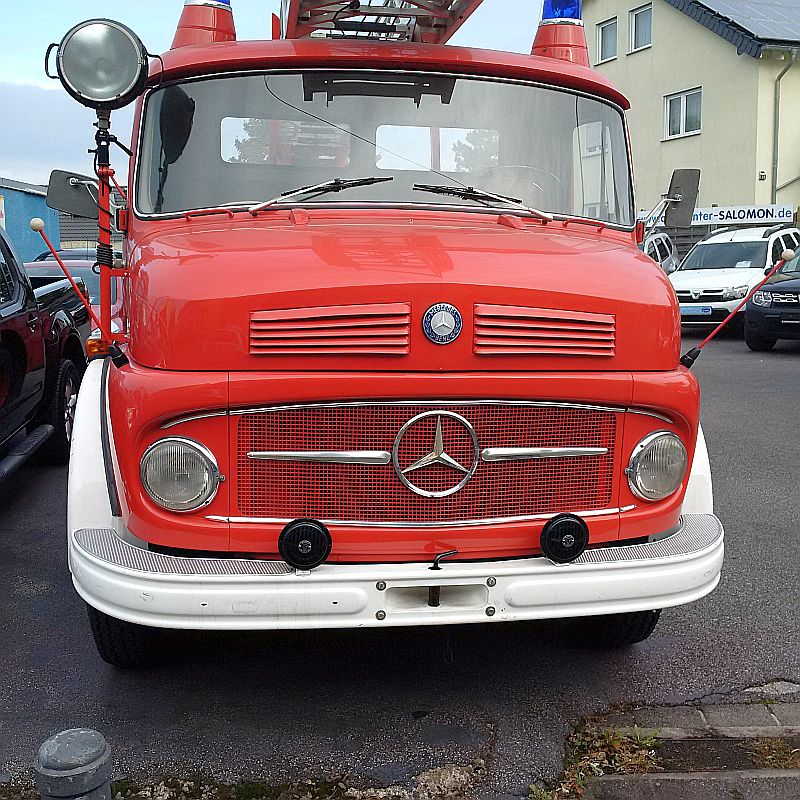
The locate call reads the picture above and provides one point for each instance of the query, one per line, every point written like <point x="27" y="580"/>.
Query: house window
<point x="641" y="27"/>
<point x="683" y="114"/>
<point x="607" y="40"/>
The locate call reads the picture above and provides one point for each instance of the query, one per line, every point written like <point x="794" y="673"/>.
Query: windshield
<point x="727" y="255"/>
<point x="244" y="139"/>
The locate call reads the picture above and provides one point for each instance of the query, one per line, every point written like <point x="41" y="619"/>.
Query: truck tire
<point x="121" y="644"/>
<point x="621" y="630"/>
<point x="756" y="342"/>
<point x="61" y="414"/>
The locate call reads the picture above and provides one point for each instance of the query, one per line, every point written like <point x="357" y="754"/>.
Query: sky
<point x="42" y="128"/>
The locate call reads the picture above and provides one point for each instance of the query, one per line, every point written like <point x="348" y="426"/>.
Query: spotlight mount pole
<point x="105" y="253"/>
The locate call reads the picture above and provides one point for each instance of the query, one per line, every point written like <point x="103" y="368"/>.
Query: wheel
<point x="61" y="414"/>
<point x="621" y="630"/>
<point x="756" y="342"/>
<point x="121" y="644"/>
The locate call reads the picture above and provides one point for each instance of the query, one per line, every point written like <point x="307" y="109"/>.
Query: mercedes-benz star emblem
<point x="461" y="439"/>
<point x="442" y="323"/>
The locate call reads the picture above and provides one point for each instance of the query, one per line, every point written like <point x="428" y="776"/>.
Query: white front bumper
<point x="136" y="585"/>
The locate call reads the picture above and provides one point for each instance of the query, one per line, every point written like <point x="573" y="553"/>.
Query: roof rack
<point x="775" y="228"/>
<point x="429" y="21"/>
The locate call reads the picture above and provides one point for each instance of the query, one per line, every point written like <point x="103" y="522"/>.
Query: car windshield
<point x="791" y="267"/>
<point x="727" y="255"/>
<point x="244" y="139"/>
<point x="90" y="278"/>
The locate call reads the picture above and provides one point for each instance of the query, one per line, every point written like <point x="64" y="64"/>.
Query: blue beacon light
<point x="562" y="9"/>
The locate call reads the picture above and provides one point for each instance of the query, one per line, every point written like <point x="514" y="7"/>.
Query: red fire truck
<point x="393" y="356"/>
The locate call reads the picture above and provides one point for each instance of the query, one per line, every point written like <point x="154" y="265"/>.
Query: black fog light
<point x="305" y="544"/>
<point x="564" y="538"/>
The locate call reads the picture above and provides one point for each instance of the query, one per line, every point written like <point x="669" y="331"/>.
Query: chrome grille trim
<point x="365" y="457"/>
<point x="193" y="416"/>
<point x="462" y="523"/>
<point x="536" y="453"/>
<point x="432" y="403"/>
<point x="104" y="544"/>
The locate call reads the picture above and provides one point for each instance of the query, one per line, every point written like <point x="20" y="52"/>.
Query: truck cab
<point x="394" y="356"/>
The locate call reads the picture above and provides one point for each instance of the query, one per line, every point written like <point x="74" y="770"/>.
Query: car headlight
<point x="735" y="294"/>
<point x="658" y="466"/>
<point x="179" y="474"/>
<point x="763" y="299"/>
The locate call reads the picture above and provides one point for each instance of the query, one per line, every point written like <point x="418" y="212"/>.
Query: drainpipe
<point x="776" y="126"/>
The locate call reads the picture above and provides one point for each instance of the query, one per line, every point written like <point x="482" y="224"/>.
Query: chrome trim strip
<point x="366" y="457"/>
<point x="410" y="525"/>
<point x="645" y="413"/>
<point x="537" y="453"/>
<point x="432" y="403"/>
<point x="192" y="417"/>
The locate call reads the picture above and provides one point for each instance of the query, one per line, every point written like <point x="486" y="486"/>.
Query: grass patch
<point x="593" y="751"/>
<point x="773" y="753"/>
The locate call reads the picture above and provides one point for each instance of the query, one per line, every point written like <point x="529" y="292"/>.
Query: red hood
<point x="537" y="298"/>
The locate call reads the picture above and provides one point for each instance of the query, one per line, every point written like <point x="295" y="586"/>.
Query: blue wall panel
<point x="20" y="208"/>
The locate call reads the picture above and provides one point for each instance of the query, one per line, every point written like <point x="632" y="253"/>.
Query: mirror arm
<point x="655" y="215"/>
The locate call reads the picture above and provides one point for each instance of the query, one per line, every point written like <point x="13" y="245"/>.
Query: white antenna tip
<point x="37" y="224"/>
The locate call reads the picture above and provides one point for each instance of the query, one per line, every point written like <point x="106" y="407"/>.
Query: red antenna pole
<point x="38" y="226"/>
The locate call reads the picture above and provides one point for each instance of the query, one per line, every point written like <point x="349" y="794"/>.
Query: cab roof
<point x="198" y="60"/>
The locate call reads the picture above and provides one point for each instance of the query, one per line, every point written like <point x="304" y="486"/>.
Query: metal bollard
<point x="74" y="764"/>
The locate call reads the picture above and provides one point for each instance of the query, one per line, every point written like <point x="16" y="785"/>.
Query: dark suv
<point x="774" y="311"/>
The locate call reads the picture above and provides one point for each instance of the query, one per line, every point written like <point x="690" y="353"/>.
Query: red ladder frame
<point x="429" y="21"/>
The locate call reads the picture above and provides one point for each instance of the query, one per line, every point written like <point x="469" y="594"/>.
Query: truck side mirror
<point x="682" y="199"/>
<point x="72" y="193"/>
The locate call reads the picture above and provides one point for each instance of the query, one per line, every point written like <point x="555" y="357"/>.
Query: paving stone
<point x="672" y="722"/>
<point x="788" y="714"/>
<point x="750" y="715"/>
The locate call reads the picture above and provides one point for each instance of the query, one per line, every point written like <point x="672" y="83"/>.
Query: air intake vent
<point x="515" y="330"/>
<point x="374" y="330"/>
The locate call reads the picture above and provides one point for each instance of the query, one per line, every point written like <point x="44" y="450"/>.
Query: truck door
<point x="22" y="364"/>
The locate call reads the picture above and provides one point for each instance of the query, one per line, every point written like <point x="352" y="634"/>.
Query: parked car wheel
<point x="756" y="342"/>
<point x="621" y="630"/>
<point x="121" y="644"/>
<point x="61" y="414"/>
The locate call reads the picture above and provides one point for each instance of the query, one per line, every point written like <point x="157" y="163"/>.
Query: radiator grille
<point x="353" y="492"/>
<point x="516" y="330"/>
<point x="379" y="329"/>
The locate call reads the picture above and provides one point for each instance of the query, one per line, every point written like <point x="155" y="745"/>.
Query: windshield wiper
<point x="471" y="193"/>
<point x="335" y="185"/>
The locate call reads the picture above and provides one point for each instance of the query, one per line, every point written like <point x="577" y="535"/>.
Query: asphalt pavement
<point x="388" y="705"/>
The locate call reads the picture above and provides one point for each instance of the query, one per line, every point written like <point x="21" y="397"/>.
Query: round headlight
<point x="102" y="64"/>
<point x="179" y="474"/>
<point x="658" y="466"/>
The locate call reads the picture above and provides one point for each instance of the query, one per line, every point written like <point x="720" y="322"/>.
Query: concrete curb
<point x="762" y="784"/>
<point x="731" y="721"/>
